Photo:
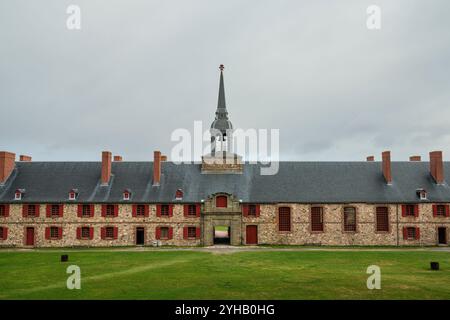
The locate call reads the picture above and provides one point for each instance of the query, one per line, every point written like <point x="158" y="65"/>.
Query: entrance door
<point x="140" y="238"/>
<point x="30" y="236"/>
<point x="442" y="235"/>
<point x="252" y="235"/>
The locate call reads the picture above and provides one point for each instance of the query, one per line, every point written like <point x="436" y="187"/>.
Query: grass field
<point x="242" y="275"/>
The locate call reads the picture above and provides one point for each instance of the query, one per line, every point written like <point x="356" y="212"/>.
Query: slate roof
<point x="300" y="182"/>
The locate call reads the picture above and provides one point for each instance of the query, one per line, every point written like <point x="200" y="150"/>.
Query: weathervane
<point x="221" y="67"/>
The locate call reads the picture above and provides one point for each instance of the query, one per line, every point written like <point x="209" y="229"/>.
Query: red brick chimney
<point x="7" y="164"/>
<point x="386" y="162"/>
<point x="25" y="158"/>
<point x="163" y="158"/>
<point x="415" y="158"/>
<point x="117" y="158"/>
<point x="156" y="168"/>
<point x="106" y="167"/>
<point x="370" y="158"/>
<point x="437" y="166"/>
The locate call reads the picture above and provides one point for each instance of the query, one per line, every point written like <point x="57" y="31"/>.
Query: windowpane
<point x="164" y="209"/>
<point x="55" y="210"/>
<point x="410" y="210"/>
<point x="284" y="219"/>
<point x="109" y="232"/>
<point x="2" y="210"/>
<point x="85" y="232"/>
<point x="440" y="210"/>
<point x="1" y="232"/>
<point x="252" y="209"/>
<point x="316" y="219"/>
<point x="411" y="231"/>
<point x="31" y="210"/>
<point x="86" y="210"/>
<point x="53" y="232"/>
<point x="192" y="210"/>
<point x="349" y="219"/>
<point x="164" y="233"/>
<point x="140" y="210"/>
<point x="192" y="232"/>
<point x="110" y="210"/>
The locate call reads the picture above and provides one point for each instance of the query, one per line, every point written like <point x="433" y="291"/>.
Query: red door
<point x="30" y="237"/>
<point x="252" y="235"/>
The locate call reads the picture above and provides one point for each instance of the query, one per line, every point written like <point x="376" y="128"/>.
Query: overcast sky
<point x="137" y="70"/>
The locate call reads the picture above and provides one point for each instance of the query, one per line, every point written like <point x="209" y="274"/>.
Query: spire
<point x="221" y="121"/>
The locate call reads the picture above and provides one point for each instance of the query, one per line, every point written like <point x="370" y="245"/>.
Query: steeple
<point x="221" y="121"/>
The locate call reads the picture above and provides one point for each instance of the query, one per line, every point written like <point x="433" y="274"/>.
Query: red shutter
<point x="24" y="210"/>
<point x="116" y="210"/>
<point x="185" y="232"/>
<point x="80" y="211"/>
<point x="134" y="210"/>
<point x="170" y="232"/>
<point x="447" y="211"/>
<point x="417" y="233"/>
<point x="158" y="210"/>
<point x="103" y="210"/>
<point x="5" y="233"/>
<point x="434" y="210"/>
<point x="79" y="233"/>
<point x="49" y="210"/>
<point x="92" y="210"/>
<point x="38" y="209"/>
<point x="6" y="210"/>
<point x="116" y="232"/>
<point x="59" y="232"/>
<point x="103" y="232"/>
<point x="258" y="210"/>
<point x="405" y="233"/>
<point x="245" y="210"/>
<point x="186" y="210"/>
<point x="403" y="210"/>
<point x="197" y="232"/>
<point x="416" y="210"/>
<point x="146" y="210"/>
<point x="47" y="233"/>
<point x="61" y="210"/>
<point x="170" y="210"/>
<point x="158" y="233"/>
<point x="197" y="209"/>
<point x="91" y="233"/>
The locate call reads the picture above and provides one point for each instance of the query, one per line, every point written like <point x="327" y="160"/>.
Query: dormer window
<point x="73" y="194"/>
<point x="422" y="194"/>
<point x="179" y="194"/>
<point x="221" y="202"/>
<point x="126" y="195"/>
<point x="19" y="194"/>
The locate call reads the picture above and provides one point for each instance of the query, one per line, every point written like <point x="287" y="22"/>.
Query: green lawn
<point x="242" y="275"/>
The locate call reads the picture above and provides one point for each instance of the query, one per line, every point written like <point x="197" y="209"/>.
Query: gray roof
<point x="301" y="182"/>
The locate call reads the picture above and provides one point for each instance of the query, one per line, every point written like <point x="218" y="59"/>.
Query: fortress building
<point x="121" y="203"/>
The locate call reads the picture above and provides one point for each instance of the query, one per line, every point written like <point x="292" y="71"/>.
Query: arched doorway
<point x="221" y="234"/>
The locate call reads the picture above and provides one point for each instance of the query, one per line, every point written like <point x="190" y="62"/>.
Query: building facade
<point x="121" y="203"/>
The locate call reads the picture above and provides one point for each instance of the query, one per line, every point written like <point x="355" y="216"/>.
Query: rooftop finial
<point x="221" y="67"/>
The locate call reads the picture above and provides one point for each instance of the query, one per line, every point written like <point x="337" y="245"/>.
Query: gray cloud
<point x="140" y="69"/>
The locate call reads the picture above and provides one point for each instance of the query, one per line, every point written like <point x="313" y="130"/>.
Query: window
<point x="109" y="232"/>
<point x="86" y="211"/>
<point x="31" y="210"/>
<point x="54" y="210"/>
<point x="165" y="210"/>
<point x="140" y="210"/>
<point x="54" y="232"/>
<point x="192" y="210"/>
<point x="349" y="219"/>
<point x="252" y="209"/>
<point x="126" y="196"/>
<point x="164" y="232"/>
<point x="409" y="210"/>
<point x="221" y="201"/>
<point x="411" y="233"/>
<point x="317" y="219"/>
<point x="440" y="210"/>
<point x="284" y="219"/>
<point x="382" y="219"/>
<point x="18" y="195"/>
<point x="110" y="210"/>
<point x="179" y="194"/>
<point x="85" y="232"/>
<point x="73" y="194"/>
<point x="2" y="210"/>
<point x="2" y="233"/>
<point x="192" y="232"/>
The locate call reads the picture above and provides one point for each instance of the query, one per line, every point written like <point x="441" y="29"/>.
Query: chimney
<point x="156" y="168"/>
<point x="163" y="158"/>
<point x="415" y="158"/>
<point x="437" y="166"/>
<point x="25" y="158"/>
<point x="386" y="159"/>
<point x="7" y="164"/>
<point x="117" y="158"/>
<point x="106" y="167"/>
<point x="370" y="158"/>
